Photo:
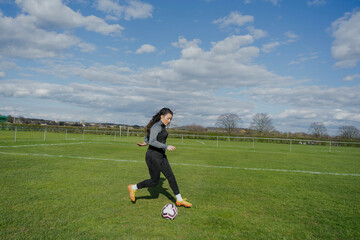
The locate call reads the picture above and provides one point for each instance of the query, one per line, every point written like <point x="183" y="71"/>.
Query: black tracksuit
<point x="156" y="159"/>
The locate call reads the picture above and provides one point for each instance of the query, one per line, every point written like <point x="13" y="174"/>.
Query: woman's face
<point x="166" y="119"/>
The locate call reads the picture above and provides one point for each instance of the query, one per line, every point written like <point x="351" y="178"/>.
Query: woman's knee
<point x="153" y="183"/>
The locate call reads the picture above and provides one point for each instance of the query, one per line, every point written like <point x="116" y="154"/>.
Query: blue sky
<point x="121" y="61"/>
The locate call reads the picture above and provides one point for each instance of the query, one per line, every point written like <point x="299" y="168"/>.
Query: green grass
<point x="78" y="190"/>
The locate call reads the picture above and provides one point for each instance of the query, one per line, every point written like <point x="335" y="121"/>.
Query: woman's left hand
<point x="171" y="148"/>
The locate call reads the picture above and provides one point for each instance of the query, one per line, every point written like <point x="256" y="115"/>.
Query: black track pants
<point x="157" y="162"/>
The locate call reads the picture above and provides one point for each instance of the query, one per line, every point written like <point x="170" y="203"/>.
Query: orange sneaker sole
<point x="131" y="193"/>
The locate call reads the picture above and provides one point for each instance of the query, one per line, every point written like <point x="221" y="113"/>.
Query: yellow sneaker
<point x="183" y="203"/>
<point x="131" y="193"/>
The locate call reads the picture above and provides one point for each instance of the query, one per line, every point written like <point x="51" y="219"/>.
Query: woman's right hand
<point x="171" y="148"/>
<point x="141" y="144"/>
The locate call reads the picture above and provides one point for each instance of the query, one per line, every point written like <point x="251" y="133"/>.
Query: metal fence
<point x="254" y="140"/>
<point x="15" y="134"/>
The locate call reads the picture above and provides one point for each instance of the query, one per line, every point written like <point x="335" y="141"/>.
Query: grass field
<point x="77" y="189"/>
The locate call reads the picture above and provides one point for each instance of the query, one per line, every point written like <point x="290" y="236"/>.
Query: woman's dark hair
<point x="157" y="118"/>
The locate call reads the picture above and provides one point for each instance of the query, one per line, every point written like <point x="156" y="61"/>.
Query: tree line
<point x="262" y="125"/>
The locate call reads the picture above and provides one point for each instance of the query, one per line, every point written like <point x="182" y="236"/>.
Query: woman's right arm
<point x="144" y="143"/>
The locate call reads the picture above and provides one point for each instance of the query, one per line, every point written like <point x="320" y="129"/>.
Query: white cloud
<point x="291" y="36"/>
<point x="231" y="44"/>
<point x="55" y="14"/>
<point x="316" y="2"/>
<point x="351" y="77"/>
<point x="270" y="46"/>
<point x="113" y="48"/>
<point x="301" y="117"/>
<point x="184" y="43"/>
<point x="298" y="114"/>
<point x="2" y="75"/>
<point x="314" y="97"/>
<point x="340" y="114"/>
<point x="110" y="6"/>
<point x="193" y="79"/>
<point x="25" y="36"/>
<point x="274" y="2"/>
<point x="305" y="58"/>
<point x="137" y="9"/>
<point x="98" y="25"/>
<point x="162" y="52"/>
<point x="33" y="35"/>
<point x="138" y="101"/>
<point x="87" y="47"/>
<point x="5" y="65"/>
<point x="134" y="9"/>
<point x="346" y="46"/>
<point x="21" y="38"/>
<point x="111" y="18"/>
<point x="303" y="105"/>
<point x="256" y="33"/>
<point x="109" y="74"/>
<point x="234" y="18"/>
<point x="227" y="64"/>
<point x="146" y="48"/>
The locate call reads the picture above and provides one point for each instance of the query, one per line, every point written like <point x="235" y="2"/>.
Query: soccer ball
<point x="169" y="211"/>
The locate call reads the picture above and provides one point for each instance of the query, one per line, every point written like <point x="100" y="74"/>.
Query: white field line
<point x="184" y="146"/>
<point x="43" y="145"/>
<point x="62" y="156"/>
<point x="187" y="164"/>
<point x="236" y="149"/>
<point x="200" y="142"/>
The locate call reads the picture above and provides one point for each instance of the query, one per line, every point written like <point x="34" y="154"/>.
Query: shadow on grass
<point x="156" y="191"/>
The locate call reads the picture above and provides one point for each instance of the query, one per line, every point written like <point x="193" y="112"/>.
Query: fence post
<point x="330" y="146"/>
<point x="253" y="143"/>
<point x="127" y="132"/>
<point x="66" y="134"/>
<point x="182" y="139"/>
<point x="290" y="145"/>
<point x="15" y="133"/>
<point x="120" y="130"/>
<point x="44" y="134"/>
<point x="217" y="141"/>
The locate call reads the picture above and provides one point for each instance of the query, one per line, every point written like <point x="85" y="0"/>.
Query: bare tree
<point x="228" y="121"/>
<point x="262" y="123"/>
<point x="349" y="132"/>
<point x="318" y="129"/>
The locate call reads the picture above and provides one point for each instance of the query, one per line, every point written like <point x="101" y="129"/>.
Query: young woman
<point x="156" y="159"/>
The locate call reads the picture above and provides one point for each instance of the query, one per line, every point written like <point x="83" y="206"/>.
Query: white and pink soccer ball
<point x="169" y="211"/>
